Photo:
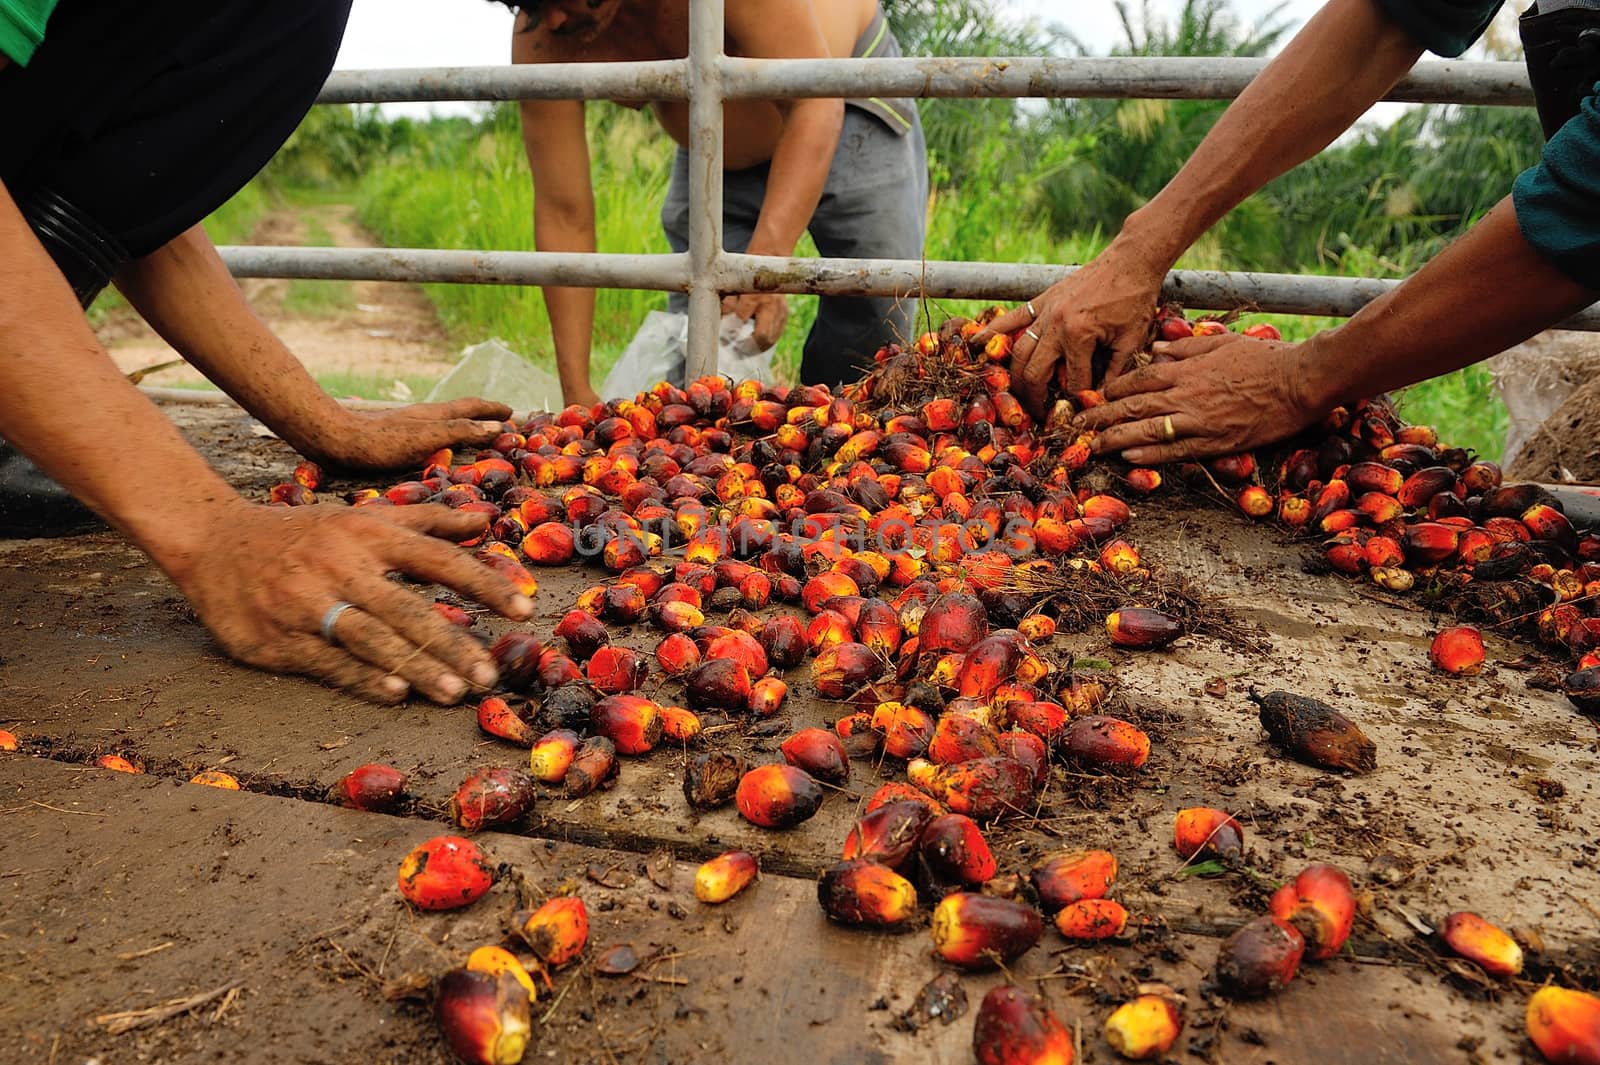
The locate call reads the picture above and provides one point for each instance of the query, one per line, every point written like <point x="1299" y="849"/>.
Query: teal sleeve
<point x="1443" y="27"/>
<point x="1558" y="199"/>
<point x="22" y="27"/>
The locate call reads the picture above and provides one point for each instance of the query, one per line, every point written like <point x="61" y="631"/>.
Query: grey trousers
<point x="874" y="206"/>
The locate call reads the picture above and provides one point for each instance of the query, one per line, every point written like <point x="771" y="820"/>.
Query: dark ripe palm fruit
<point x="1582" y="689"/>
<point x="1106" y="742"/>
<point x="1423" y="485"/>
<point x="982" y="932"/>
<point x="1321" y="905"/>
<point x="593" y="764"/>
<point x="583" y="632"/>
<point x="484" y="1017"/>
<point x="900" y="791"/>
<point x="1364" y="477"/>
<point x="784" y="640"/>
<point x="1146" y="1027"/>
<point x="889" y="834"/>
<point x="551" y="755"/>
<point x="843" y="668"/>
<point x="1142" y="627"/>
<point x="566" y="707"/>
<point x="1259" y="958"/>
<point x="1335" y="495"/>
<point x="516" y="656"/>
<point x="988" y="663"/>
<point x="291" y="495"/>
<point x="724" y="876"/>
<point x="906" y="730"/>
<point x="496" y="717"/>
<point x="557" y="931"/>
<point x="1089" y="920"/>
<point x="549" y="543"/>
<point x="1015" y="1028"/>
<point x="1565" y="1025"/>
<point x="955" y="851"/>
<point x="878" y="626"/>
<point x="711" y="780"/>
<point x="1065" y="877"/>
<point x="984" y="788"/>
<point x="952" y="623"/>
<point x="1235" y="469"/>
<point x="1201" y="831"/>
<point x="677" y="655"/>
<point x="1046" y="720"/>
<point x="1477" y="940"/>
<point x="1030" y="750"/>
<point x="445" y="873"/>
<point x="1458" y="651"/>
<point x="491" y="797"/>
<point x="961" y="737"/>
<point x="373" y="788"/>
<point x="1480" y="477"/>
<point x="556" y="670"/>
<point x="1513" y="500"/>
<point x="1545" y="522"/>
<point x="819" y="752"/>
<point x="1315" y="732"/>
<point x="719" y="684"/>
<point x="767" y="695"/>
<point x="623" y="603"/>
<point x="617" y="669"/>
<point x="865" y="895"/>
<point x="777" y="796"/>
<point x="631" y="722"/>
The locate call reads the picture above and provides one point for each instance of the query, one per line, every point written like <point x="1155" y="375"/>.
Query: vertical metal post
<point x="705" y="183"/>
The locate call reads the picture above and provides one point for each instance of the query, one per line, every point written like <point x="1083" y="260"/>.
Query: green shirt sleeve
<point x="1443" y="27"/>
<point x="1558" y="199"/>
<point x="22" y="27"/>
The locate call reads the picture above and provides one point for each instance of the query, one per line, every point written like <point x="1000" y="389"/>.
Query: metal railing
<point x="708" y="77"/>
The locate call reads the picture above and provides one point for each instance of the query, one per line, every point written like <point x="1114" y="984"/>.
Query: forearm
<point x="1482" y="294"/>
<point x="1344" y="60"/>
<point x="798" y="174"/>
<point x="185" y="292"/>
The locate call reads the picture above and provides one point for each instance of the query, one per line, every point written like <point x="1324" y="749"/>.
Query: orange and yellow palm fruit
<point x="551" y="755"/>
<point x="490" y="959"/>
<point x="557" y="931"/>
<point x="1477" y="940"/>
<point x="216" y="778"/>
<point x="1457" y="650"/>
<point x="1091" y="919"/>
<point x="1065" y="877"/>
<point x="981" y="931"/>
<point x="866" y="895"/>
<point x="1201" y="831"/>
<point x="498" y="719"/>
<point x="777" y="796"/>
<point x="445" y="873"/>
<point x="724" y="876"/>
<point x="1106" y="742"/>
<point x="1321" y="904"/>
<point x="1565" y="1025"/>
<point x="1147" y="1026"/>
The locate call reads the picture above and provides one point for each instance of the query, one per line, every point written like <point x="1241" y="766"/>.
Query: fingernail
<point x="395" y="685"/>
<point x="452" y="686"/>
<point x="1159" y="347"/>
<point x="484" y="675"/>
<point x="489" y="427"/>
<point x="521" y="605"/>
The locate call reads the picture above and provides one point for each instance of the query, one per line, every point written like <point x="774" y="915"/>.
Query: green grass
<point x="347" y="384"/>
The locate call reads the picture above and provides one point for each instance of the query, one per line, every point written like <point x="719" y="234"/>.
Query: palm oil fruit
<point x="485" y="1017"/>
<point x="1146" y="1026"/>
<point x="492" y="797"/>
<point x="867" y="896"/>
<point x="1259" y="959"/>
<point x="557" y="931"/>
<point x="1014" y="1027"/>
<point x="777" y="796"/>
<point x="1565" y="1025"/>
<point x="445" y="873"/>
<point x="1321" y="905"/>
<point x="724" y="876"/>
<point x="1064" y="877"/>
<point x="1203" y="832"/>
<point x="373" y="788"/>
<point x="1477" y="940"/>
<point x="1142" y="628"/>
<point x="1088" y="920"/>
<point x="1457" y="651"/>
<point x="983" y="932"/>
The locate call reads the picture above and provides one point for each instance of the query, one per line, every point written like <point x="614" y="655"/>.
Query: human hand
<point x="267" y="583"/>
<point x="403" y="437"/>
<point x="1108" y="302"/>
<point x="1226" y="393"/>
<point x="769" y="309"/>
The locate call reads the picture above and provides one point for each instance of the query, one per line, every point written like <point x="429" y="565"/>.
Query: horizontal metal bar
<point x="1198" y="289"/>
<point x="1219" y="78"/>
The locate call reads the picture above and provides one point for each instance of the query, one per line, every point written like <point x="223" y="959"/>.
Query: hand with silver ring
<point x="331" y="618"/>
<point x="1029" y="332"/>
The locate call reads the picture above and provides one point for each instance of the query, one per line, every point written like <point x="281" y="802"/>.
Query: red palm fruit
<point x="485" y="1017"/>
<point x="820" y="753"/>
<point x="826" y="585"/>
<point x="1477" y="940"/>
<point x="1119" y="557"/>
<point x="784" y="640"/>
<point x="445" y="873"/>
<point x="674" y="616"/>
<point x="1255" y="501"/>
<point x="1377" y="508"/>
<point x="551" y="755"/>
<point x="1480" y="477"/>
<point x="1065" y="877"/>
<point x="549" y="543"/>
<point x="1141" y="627"/>
<point x="677" y="655"/>
<point x="308" y="474"/>
<point x="617" y="669"/>
<point x="1030" y="750"/>
<point x="767" y="695"/>
<point x="866" y="895"/>
<point x="292" y="494"/>
<point x="955" y="850"/>
<point x="1346" y="553"/>
<point x="952" y="623"/>
<point x="623" y="603"/>
<point x="373" y="788"/>
<point x="1335" y="495"/>
<point x="631" y="722"/>
<point x="678" y="592"/>
<point x="1294" y="511"/>
<point x="1146" y="1027"/>
<point x="1200" y="831"/>
<point x="1458" y="651"/>
<point x="982" y="932"/>
<point x="1424" y="485"/>
<point x="1369" y="477"/>
<point x="740" y="647"/>
<point x="1174" y="327"/>
<point x="899" y="791"/>
<point x="645" y="579"/>
<point x="777" y="796"/>
<point x="1046" y="720"/>
<point x="1037" y="627"/>
<point x="621" y="552"/>
<point x="593" y="764"/>
<point x="1143" y="481"/>
<point x="453" y="614"/>
<point x="1015" y="1028"/>
<point x="1565" y="1025"/>
<point x="511" y="570"/>
<point x="409" y="493"/>
<point x="1429" y="543"/>
<point x="828" y="629"/>
<point x="889" y="834"/>
<point x="844" y="668"/>
<point x="496" y="717"/>
<point x="878" y="626"/>
<point x="1105" y="508"/>
<point x="679" y="725"/>
<point x="1321" y="905"/>
<point x="724" y="876"/>
<point x="592" y="600"/>
<point x="491" y="797"/>
<point x="719" y="684"/>
<point x="1545" y="522"/>
<point x="983" y="788"/>
<point x="906" y="730"/>
<point x="1236" y="468"/>
<point x="1383" y="551"/>
<point x="989" y="662"/>
<point x="959" y="738"/>
<point x="1259" y="959"/>
<point x="557" y="931"/>
<point x="1092" y="919"/>
<point x="8" y="740"/>
<point x="584" y="633"/>
<point x="756" y="590"/>
<point x="1106" y="742"/>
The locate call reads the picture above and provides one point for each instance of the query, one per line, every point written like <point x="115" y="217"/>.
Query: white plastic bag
<point x="659" y="352"/>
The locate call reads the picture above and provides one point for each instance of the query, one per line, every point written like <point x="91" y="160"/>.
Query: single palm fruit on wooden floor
<point x="593" y="764"/>
<point x="484" y="1017"/>
<point x="867" y="895"/>
<point x="373" y="788"/>
<point x="1201" y="831"/>
<point x="498" y="719"/>
<point x="1091" y="919"/>
<point x="500" y="960"/>
<point x="8" y="740"/>
<point x="445" y="873"/>
<point x="1065" y="877"/>
<point x="982" y="932"/>
<point x="724" y="876"/>
<point x="496" y="796"/>
<point x="777" y="796"/>
<point x="551" y="755"/>
<point x="889" y="834"/>
<point x="711" y="780"/>
<point x="1015" y="1028"/>
<point x="955" y="850"/>
<point x="1259" y="958"/>
<point x="116" y="763"/>
<point x="1458" y="651"/>
<point x="1146" y="1027"/>
<point x="1315" y="732"/>
<point x="216" y="778"/>
<point x="557" y="931"/>
<point x="1477" y="940"/>
<point x="1142" y="628"/>
<point x="1106" y="742"/>
<point x="1565" y="1025"/>
<point x="820" y="752"/>
<point x="1321" y="905"/>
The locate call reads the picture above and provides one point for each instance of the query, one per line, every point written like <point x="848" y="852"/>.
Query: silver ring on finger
<point x="331" y="618"/>
<point x="1031" y="312"/>
<point x="1029" y="332"/>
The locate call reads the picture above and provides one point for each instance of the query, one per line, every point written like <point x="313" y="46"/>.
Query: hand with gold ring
<point x="1224" y="394"/>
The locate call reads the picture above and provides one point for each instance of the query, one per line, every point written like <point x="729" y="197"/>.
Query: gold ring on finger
<point x="1168" y="433"/>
